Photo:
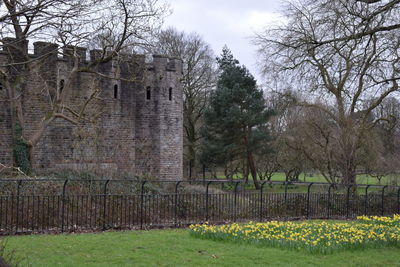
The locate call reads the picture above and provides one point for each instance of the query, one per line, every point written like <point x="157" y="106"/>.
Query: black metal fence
<point x="28" y="206"/>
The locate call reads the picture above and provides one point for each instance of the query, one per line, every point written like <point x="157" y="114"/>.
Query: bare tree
<point x="323" y="50"/>
<point x="291" y="142"/>
<point x="199" y="76"/>
<point x="111" y="26"/>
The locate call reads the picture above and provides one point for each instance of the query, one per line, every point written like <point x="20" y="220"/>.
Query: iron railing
<point x="45" y="205"/>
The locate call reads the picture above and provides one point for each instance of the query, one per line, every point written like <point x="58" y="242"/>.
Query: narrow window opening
<point x="116" y="91"/>
<point x="170" y="94"/>
<point x="1" y="86"/>
<point x="61" y="86"/>
<point x="148" y="93"/>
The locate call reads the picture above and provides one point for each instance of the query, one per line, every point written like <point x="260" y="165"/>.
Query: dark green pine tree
<point x="236" y="118"/>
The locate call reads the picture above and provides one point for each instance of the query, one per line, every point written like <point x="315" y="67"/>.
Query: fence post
<point x="261" y="201"/>
<point x="329" y="199"/>
<point x="208" y="184"/>
<point x="366" y="200"/>
<point x="63" y="205"/>
<point x="348" y="201"/>
<point x="235" y="202"/>
<point x="308" y="200"/>
<point x="176" y="203"/>
<point x="141" y="203"/>
<point x="17" y="206"/>
<point x="383" y="200"/>
<point x="104" y="203"/>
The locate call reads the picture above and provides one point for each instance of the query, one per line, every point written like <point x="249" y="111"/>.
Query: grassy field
<point x="279" y="188"/>
<point x="361" y="179"/>
<point x="175" y="248"/>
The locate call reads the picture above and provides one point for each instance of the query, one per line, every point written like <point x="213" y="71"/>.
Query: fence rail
<point x="28" y="206"/>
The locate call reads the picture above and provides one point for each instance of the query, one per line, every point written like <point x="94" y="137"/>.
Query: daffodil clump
<point x="389" y="221"/>
<point x="315" y="237"/>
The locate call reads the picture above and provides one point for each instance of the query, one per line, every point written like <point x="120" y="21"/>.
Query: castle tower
<point x="159" y="118"/>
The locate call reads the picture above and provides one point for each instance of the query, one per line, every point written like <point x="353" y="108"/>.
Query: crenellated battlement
<point x="55" y="51"/>
<point x="165" y="63"/>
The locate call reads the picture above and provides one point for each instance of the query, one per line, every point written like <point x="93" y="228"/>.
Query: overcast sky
<point x="223" y="22"/>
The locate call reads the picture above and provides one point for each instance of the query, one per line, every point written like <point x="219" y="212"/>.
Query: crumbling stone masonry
<point x="139" y="125"/>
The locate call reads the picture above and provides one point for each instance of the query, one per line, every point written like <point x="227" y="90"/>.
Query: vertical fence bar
<point x="348" y="201"/>
<point x="235" y="202"/>
<point x="105" y="204"/>
<point x="17" y="206"/>
<point x="142" y="203"/>
<point x="366" y="200"/>
<point x="383" y="200"/>
<point x="329" y="200"/>
<point x="176" y="204"/>
<point x="63" y="205"/>
<point x="308" y="200"/>
<point x="261" y="201"/>
<point x="208" y="184"/>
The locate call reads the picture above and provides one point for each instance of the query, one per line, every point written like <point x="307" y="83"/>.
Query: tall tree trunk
<point x="192" y="152"/>
<point x="253" y="169"/>
<point x="14" y="79"/>
<point x="349" y="146"/>
<point x="349" y="172"/>
<point x="246" y="171"/>
<point x="11" y="97"/>
<point x="250" y="159"/>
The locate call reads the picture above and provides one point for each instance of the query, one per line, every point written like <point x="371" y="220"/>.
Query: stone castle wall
<point x="128" y="132"/>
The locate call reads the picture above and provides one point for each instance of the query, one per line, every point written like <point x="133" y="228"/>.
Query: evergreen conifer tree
<point x="236" y="118"/>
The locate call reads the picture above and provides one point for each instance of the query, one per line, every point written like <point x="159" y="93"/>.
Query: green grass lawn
<point x="175" y="248"/>
<point x="317" y="178"/>
<point x="361" y="179"/>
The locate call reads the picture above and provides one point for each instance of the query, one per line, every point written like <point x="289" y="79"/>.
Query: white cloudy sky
<point x="223" y="22"/>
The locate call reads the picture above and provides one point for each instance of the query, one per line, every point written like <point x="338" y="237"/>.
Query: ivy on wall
<point x="21" y="151"/>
